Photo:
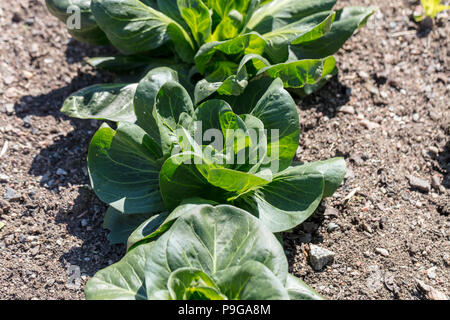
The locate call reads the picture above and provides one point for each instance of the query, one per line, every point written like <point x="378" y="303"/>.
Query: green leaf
<point x="157" y="225"/>
<point x="291" y="198"/>
<point x="210" y="239"/>
<point x="298" y="290"/>
<point x="121" y="225"/>
<point x="112" y="102"/>
<point x="251" y="281"/>
<point x="122" y="63"/>
<point x="250" y="43"/>
<point x="234" y="84"/>
<point x="300" y="73"/>
<point x="89" y="31"/>
<point x="278" y="112"/>
<point x="145" y="98"/>
<point x="124" y="169"/>
<point x="277" y="14"/>
<point x="134" y="27"/>
<point x="180" y="179"/>
<point x="333" y="171"/>
<point x="306" y="29"/>
<point x="197" y="16"/>
<point x="346" y="22"/>
<point x="192" y="284"/>
<point x="173" y="104"/>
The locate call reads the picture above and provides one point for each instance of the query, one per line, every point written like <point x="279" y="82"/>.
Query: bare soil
<point x="387" y="113"/>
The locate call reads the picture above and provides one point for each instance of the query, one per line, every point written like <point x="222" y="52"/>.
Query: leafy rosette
<point x="148" y="168"/>
<point x="221" y="44"/>
<point x="209" y="253"/>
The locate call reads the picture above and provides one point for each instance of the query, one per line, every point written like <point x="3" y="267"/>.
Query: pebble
<point x="364" y="75"/>
<point x="433" y="151"/>
<point x="4" y="178"/>
<point x="415" y="117"/>
<point x="382" y="251"/>
<point x="84" y="222"/>
<point x="435" y="181"/>
<point x="331" y="212"/>
<point x="347" y="109"/>
<point x="61" y="172"/>
<point x="431" y="273"/>
<point x="418" y="183"/>
<point x="9" y="107"/>
<point x="332" y="227"/>
<point x="430" y="292"/>
<point x="369" y="124"/>
<point x="320" y="257"/>
<point x="11" y="194"/>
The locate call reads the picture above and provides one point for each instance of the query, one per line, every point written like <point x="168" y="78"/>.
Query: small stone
<point x="369" y="124"/>
<point x="433" y="151"/>
<point x="347" y="109"/>
<point x="418" y="183"/>
<point x="61" y="172"/>
<point x="415" y="117"/>
<point x="431" y="273"/>
<point x="84" y="223"/>
<point x="332" y="227"/>
<point x="50" y="282"/>
<point x="364" y="75"/>
<point x="382" y="251"/>
<point x="11" y="194"/>
<point x="331" y="212"/>
<point x="435" y="181"/>
<point x="320" y="257"/>
<point x="34" y="251"/>
<point x="27" y="74"/>
<point x="9" y="108"/>
<point x="430" y="292"/>
<point x="4" y="178"/>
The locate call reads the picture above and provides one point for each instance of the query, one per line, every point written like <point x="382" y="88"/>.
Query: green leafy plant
<point x="150" y="168"/>
<point x="227" y="43"/>
<point x="431" y="8"/>
<point x="209" y="253"/>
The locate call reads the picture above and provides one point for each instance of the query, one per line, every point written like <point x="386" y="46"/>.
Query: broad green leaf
<point x="153" y="228"/>
<point x="333" y="171"/>
<point x="192" y="284"/>
<point x="197" y="16"/>
<point x="122" y="63"/>
<point x="210" y="239"/>
<point x="134" y="27"/>
<point x="346" y="22"/>
<point x="311" y="88"/>
<point x="306" y="29"/>
<point x="431" y="8"/>
<point x="145" y="98"/>
<point x="112" y="102"/>
<point x="251" y="281"/>
<point x="250" y="43"/>
<point x="298" y="290"/>
<point x="180" y="179"/>
<point x="278" y="112"/>
<point x="231" y="85"/>
<point x="172" y="105"/>
<point x="67" y="10"/>
<point x="291" y="198"/>
<point x="121" y="225"/>
<point x="300" y="73"/>
<point x="124" y="280"/>
<point x="223" y="7"/>
<point x="124" y="169"/>
<point x="277" y="14"/>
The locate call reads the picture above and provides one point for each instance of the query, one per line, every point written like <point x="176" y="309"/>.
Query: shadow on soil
<point x="329" y="99"/>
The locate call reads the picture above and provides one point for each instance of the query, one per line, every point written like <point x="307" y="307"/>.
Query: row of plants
<point x="197" y="167"/>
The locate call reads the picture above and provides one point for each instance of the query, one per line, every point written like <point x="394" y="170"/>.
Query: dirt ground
<point x="387" y="113"/>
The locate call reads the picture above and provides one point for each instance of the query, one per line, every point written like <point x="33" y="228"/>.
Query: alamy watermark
<point x="74" y="17"/>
